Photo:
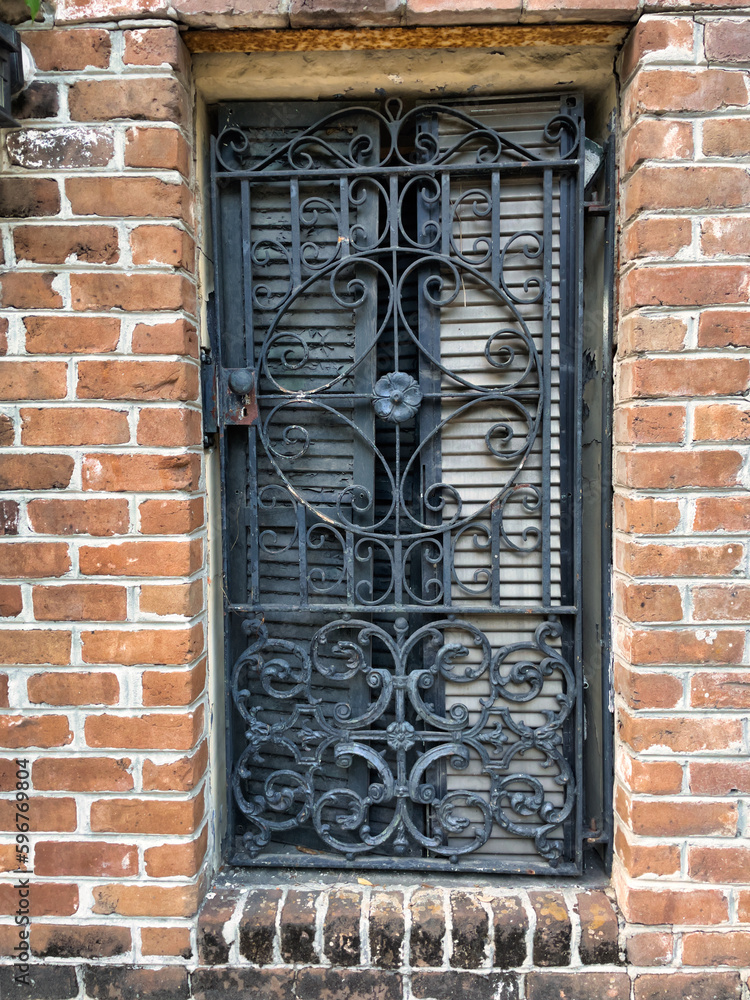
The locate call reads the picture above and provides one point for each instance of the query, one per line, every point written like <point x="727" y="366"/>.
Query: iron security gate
<point x="397" y="330"/>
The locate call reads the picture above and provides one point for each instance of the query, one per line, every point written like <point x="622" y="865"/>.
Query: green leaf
<point x="33" y="6"/>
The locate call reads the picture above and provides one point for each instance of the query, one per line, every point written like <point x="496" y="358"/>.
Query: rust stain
<point x="348" y="39"/>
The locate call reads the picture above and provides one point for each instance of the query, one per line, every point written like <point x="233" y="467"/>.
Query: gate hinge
<point x="208" y="397"/>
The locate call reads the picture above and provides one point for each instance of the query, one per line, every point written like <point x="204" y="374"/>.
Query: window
<point x="398" y="344"/>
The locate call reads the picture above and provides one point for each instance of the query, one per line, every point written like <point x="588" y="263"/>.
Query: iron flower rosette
<point x="396" y="397"/>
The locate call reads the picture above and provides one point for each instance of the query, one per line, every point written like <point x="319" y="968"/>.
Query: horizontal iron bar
<point x="375" y="171"/>
<point x="279" y="610"/>
<point x="322" y="860"/>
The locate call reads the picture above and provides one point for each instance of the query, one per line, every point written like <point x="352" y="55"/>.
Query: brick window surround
<point x="108" y="672"/>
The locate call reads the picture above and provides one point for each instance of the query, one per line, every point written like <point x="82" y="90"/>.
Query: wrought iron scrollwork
<point x="400" y="737"/>
<point x="408" y="684"/>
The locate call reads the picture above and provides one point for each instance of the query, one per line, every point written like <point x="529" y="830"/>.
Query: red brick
<point x="668" y="37"/>
<point x="650" y="424"/>
<point x="4" y="692"/>
<point x="716" y="949"/>
<point x="7" y="431"/>
<point x="137" y="472"/>
<point x="646" y="859"/>
<point x="343" y="13"/>
<point x="138" y="380"/>
<point x="174" y="688"/>
<point x="82" y="774"/>
<point x="675" y="469"/>
<point x="73" y="688"/>
<point x="182" y="775"/>
<point x="718" y="864"/>
<point x="35" y="472"/>
<point x="147" y="901"/>
<point x="743" y="906"/>
<point x="651" y="777"/>
<point x="87" y="858"/>
<point x="81" y="48"/>
<point x="722" y="422"/>
<point x="164" y="148"/>
<point x="80" y="602"/>
<point x="172" y="598"/>
<point x="672" y="906"/>
<point x="658" y="377"/>
<point x="648" y="516"/>
<point x="662" y="818"/>
<point x="679" y="734"/>
<point x="727" y="40"/>
<point x="647" y="690"/>
<point x="81" y="941"/>
<point x="22" y="731"/>
<point x="439" y="12"/>
<point x="23" y="560"/>
<point x="171" y="428"/>
<point x="67" y="11"/>
<point x="720" y="778"/>
<point x="130" y="292"/>
<point x="29" y="197"/>
<point x="162" y="816"/>
<point x="176" y="860"/>
<point x="73" y="425"/>
<point x="61" y="148"/>
<point x="170" y="517"/>
<point x="728" y="235"/>
<point x="726" y="137"/>
<point x="29" y="290"/>
<point x="687" y="986"/>
<point x="162" y="246"/>
<point x="179" y="337"/>
<point x="173" y="941"/>
<point x="658" y="188"/>
<point x="652" y="139"/>
<point x="151" y="98"/>
<point x="723" y="328"/>
<point x="27" y="646"/>
<point x="146" y="646"/>
<point x="685" y="646"/>
<point x="650" y="602"/>
<point x="720" y="690"/>
<point x="155" y="47"/>
<point x="656" y="237"/>
<point x="716" y="602"/>
<point x="722" y="514"/>
<point x="75" y="517"/>
<point x="154" y="731"/>
<point x="38" y="100"/>
<point x="178" y="558"/>
<point x="46" y="899"/>
<point x="655" y="91"/>
<point x="45" y="815"/>
<point x="686" y="286"/>
<point x="125" y="197"/>
<point x="652" y="948"/>
<point x="33" y="380"/>
<point x="71" y="334"/>
<point x="66" y="244"/>
<point x="679" y="560"/>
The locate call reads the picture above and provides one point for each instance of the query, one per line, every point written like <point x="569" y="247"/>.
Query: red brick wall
<point x="682" y="509"/>
<point x="103" y="590"/>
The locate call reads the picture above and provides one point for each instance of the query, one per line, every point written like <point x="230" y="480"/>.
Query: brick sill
<point x="270" y="918"/>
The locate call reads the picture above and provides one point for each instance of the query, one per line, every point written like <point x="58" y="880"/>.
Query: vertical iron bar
<point x="546" y="386"/>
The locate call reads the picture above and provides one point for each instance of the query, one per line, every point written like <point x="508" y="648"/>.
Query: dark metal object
<point x="354" y="625"/>
<point x="11" y="72"/>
